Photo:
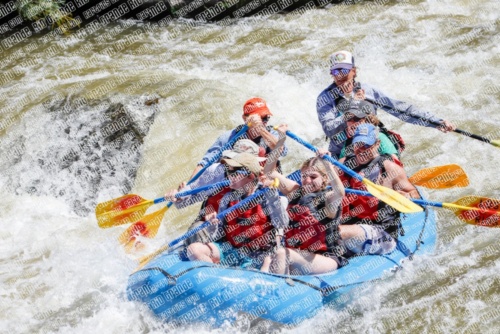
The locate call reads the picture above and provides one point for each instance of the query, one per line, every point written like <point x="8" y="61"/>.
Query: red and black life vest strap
<point x="391" y="225"/>
<point x="331" y="223"/>
<point x="394" y="137"/>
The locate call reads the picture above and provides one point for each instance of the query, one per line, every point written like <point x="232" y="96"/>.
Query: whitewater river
<point x="61" y="273"/>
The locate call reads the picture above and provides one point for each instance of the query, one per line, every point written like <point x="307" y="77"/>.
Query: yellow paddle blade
<point x="145" y="259"/>
<point x="392" y="198"/>
<point x="496" y="142"/>
<point x="475" y="210"/>
<point x="147" y="227"/>
<point x="441" y="177"/>
<point x="123" y="210"/>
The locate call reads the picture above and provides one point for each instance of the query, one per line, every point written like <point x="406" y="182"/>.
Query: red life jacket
<point x="251" y="228"/>
<point x="310" y="228"/>
<point x="365" y="209"/>
<point x="211" y="204"/>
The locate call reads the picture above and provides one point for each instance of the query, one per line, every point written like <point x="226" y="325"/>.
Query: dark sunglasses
<point x="340" y="71"/>
<point x="362" y="145"/>
<point x="266" y="119"/>
<point x="352" y="118"/>
<point x="236" y="170"/>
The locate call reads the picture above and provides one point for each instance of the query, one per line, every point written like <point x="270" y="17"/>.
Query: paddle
<point x="122" y="210"/>
<point x="148" y="225"/>
<point x="252" y="198"/>
<point x="129" y="208"/>
<point x="474" y="210"/>
<point x="116" y="212"/>
<point x="388" y="196"/>
<point x="440" y="177"/>
<point x="495" y="142"/>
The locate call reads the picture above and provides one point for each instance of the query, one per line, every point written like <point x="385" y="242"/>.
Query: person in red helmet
<point x="256" y="115"/>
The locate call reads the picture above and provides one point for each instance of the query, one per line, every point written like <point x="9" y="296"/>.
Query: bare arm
<point x="333" y="197"/>
<point x="195" y="171"/>
<point x="257" y="128"/>
<point x="396" y="179"/>
<point x="268" y="137"/>
<point x="286" y="185"/>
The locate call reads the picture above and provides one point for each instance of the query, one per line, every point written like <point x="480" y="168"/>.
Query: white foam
<point x="69" y="276"/>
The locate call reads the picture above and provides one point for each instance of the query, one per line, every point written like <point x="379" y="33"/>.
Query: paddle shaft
<point x="220" y="216"/>
<point x="468" y="134"/>
<point x="426" y="203"/>
<point x="194" y="191"/>
<point x="327" y="157"/>
<point x="216" y="157"/>
<point x="462" y="132"/>
<point x="210" y="162"/>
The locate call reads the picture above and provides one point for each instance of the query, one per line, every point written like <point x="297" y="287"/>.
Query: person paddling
<point x="217" y="172"/>
<point x="361" y="112"/>
<point x="256" y="115"/>
<point x="337" y="97"/>
<point x="244" y="235"/>
<point x="311" y="237"/>
<point x="370" y="226"/>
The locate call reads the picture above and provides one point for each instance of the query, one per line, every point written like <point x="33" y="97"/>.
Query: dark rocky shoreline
<point x="13" y="27"/>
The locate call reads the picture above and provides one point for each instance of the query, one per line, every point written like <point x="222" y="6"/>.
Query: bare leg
<point x="301" y="262"/>
<point x="353" y="237"/>
<point x="306" y="263"/>
<point x="266" y="264"/>
<point x="203" y="252"/>
<point x="278" y="263"/>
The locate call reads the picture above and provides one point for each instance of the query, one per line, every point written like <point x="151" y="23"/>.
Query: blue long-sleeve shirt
<point x="213" y="174"/>
<point x="331" y="115"/>
<point x="225" y="137"/>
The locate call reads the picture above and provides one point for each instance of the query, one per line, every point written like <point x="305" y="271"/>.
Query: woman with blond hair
<point x="314" y="211"/>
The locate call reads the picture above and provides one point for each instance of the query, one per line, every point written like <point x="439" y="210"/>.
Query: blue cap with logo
<point x="366" y="133"/>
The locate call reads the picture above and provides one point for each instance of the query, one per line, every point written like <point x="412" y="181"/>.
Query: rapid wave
<point x="61" y="273"/>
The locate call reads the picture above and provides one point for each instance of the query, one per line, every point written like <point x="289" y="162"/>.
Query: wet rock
<point x="83" y="150"/>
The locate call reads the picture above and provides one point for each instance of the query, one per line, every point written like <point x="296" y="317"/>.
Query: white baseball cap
<point x="243" y="145"/>
<point x="341" y="59"/>
<point x="246" y="160"/>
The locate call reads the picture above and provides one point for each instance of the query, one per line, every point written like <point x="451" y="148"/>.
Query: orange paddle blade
<point x="441" y="177"/>
<point x="123" y="210"/>
<point x="147" y="227"/>
<point x="475" y="210"/>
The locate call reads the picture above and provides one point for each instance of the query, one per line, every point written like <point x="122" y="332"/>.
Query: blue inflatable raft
<point x="186" y="292"/>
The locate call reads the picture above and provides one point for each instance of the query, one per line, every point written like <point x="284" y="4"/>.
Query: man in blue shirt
<point x="256" y="115"/>
<point x="336" y="99"/>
